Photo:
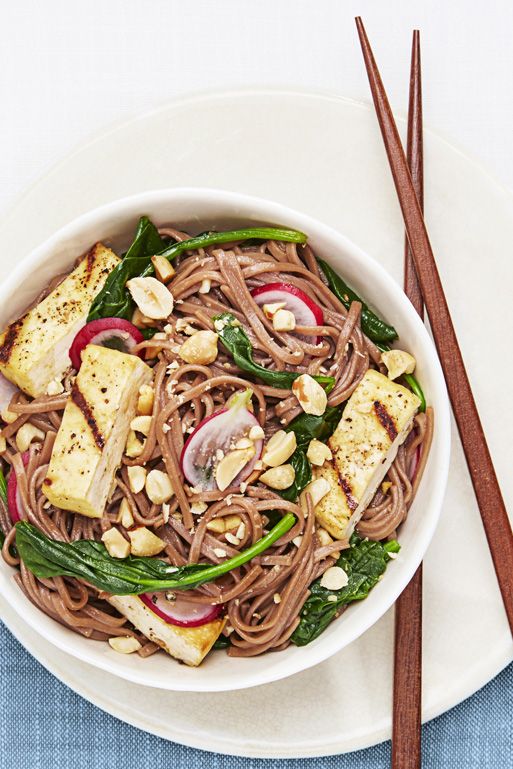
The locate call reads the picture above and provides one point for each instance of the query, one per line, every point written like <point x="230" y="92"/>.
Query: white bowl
<point x="196" y="210"/>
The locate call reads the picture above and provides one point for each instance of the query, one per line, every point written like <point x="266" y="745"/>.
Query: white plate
<point x="321" y="154"/>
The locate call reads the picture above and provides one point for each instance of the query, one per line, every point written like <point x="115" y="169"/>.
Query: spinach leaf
<point x="364" y="562"/>
<point x="302" y="478"/>
<point x="376" y="329"/>
<point x="148" y="333"/>
<point x="114" y="300"/>
<point x="306" y="427"/>
<point x="222" y="642"/>
<point x="236" y="341"/>
<point x="207" y="239"/>
<point x="89" y="560"/>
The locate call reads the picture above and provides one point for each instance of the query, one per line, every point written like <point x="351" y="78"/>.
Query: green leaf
<point x="114" y="300"/>
<point x="207" y="239"/>
<point x="236" y="341"/>
<point x="303" y="475"/>
<point x="222" y="642"/>
<point x="373" y="326"/>
<point x="89" y="560"/>
<point x="364" y="562"/>
<point x="148" y="333"/>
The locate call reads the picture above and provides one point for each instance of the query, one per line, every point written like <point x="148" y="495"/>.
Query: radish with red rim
<point x="217" y="433"/>
<point x="116" y="333"/>
<point x="14" y="503"/>
<point x="178" y="611"/>
<point x="305" y="310"/>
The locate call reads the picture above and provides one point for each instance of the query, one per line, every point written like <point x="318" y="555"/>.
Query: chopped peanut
<point x="271" y="309"/>
<point x="316" y="489"/>
<point x="164" y="270"/>
<point x="115" y="543"/>
<point x="216" y="525"/>
<point x="26" y="434"/>
<point x="279" y="448"/>
<point x="398" y="362"/>
<point x="232" y="522"/>
<point x="201" y="348"/>
<point x="140" y="320"/>
<point x="231" y="465"/>
<point x="145" y="542"/>
<point x="334" y="578"/>
<point x="124" y="644"/>
<point x="310" y="395"/>
<point x="145" y="400"/>
<point x="141" y="424"/>
<point x="134" y="447"/>
<point x="125" y="516"/>
<point x="318" y="452"/>
<point x="152" y="297"/>
<point x="279" y="477"/>
<point x="256" y="433"/>
<point x="136" y="478"/>
<point x="158" y="487"/>
<point x="9" y="416"/>
<point x="284" y="320"/>
<point x="323" y="537"/>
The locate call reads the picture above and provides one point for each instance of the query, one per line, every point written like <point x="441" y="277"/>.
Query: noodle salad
<point x="208" y="442"/>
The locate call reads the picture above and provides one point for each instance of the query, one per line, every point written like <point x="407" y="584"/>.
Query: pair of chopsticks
<point x="406" y="731"/>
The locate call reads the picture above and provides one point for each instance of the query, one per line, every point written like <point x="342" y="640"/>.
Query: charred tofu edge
<point x="383" y="430"/>
<point x="34" y="348"/>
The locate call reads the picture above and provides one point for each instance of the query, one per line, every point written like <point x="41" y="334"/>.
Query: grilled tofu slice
<point x="189" y="644"/>
<point x="34" y="349"/>
<point x="94" y="428"/>
<point x="375" y="421"/>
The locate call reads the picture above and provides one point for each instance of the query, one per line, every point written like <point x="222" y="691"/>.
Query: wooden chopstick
<point x="407" y="708"/>
<point x="480" y="465"/>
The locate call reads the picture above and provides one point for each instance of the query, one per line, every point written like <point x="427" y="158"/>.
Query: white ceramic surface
<point x="212" y="140"/>
<point x="195" y="210"/>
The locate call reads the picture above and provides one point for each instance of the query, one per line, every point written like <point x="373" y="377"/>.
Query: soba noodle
<point x="262" y="599"/>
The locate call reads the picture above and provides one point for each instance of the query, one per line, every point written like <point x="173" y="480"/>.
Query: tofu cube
<point x="34" y="348"/>
<point x="94" y="428"/>
<point x="189" y="644"/>
<point x="375" y="422"/>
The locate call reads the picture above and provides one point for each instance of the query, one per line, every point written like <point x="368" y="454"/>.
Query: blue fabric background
<point x="44" y="725"/>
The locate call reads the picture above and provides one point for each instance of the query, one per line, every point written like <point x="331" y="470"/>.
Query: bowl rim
<point x="265" y="210"/>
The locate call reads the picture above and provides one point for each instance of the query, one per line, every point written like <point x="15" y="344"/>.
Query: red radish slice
<point x="116" y="333"/>
<point x="7" y="390"/>
<point x="219" y="431"/>
<point x="14" y="503"/>
<point x="180" y="612"/>
<point x="306" y="311"/>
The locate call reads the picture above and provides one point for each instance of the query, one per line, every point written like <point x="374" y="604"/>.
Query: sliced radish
<point x="219" y="432"/>
<point x="14" y="503"/>
<point x="305" y="310"/>
<point x="116" y="333"/>
<point x="7" y="390"/>
<point x="179" y="611"/>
